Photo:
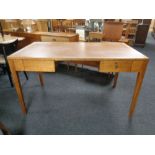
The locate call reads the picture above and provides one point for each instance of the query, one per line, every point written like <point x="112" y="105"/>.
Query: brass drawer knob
<point x="116" y="65"/>
<point x="54" y="39"/>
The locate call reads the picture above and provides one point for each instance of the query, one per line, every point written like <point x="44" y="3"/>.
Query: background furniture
<point x="132" y="33"/>
<point x="112" y="31"/>
<point x="29" y="25"/>
<point x="42" y="25"/>
<point x="11" y="24"/>
<point x="29" y="37"/>
<point x="141" y="34"/>
<point x="142" y="31"/>
<point x="55" y="24"/>
<point x="129" y="30"/>
<point x="95" y="36"/>
<point x="153" y="29"/>
<point x="44" y="36"/>
<point x="5" y="50"/>
<point x="137" y="31"/>
<point x="57" y="36"/>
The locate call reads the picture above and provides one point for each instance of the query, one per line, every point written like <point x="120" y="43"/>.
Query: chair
<point x="5" y="50"/>
<point x="112" y="31"/>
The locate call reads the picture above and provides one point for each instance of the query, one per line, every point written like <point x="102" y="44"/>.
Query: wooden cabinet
<point x="141" y="34"/>
<point x="52" y="38"/>
<point x="58" y="37"/>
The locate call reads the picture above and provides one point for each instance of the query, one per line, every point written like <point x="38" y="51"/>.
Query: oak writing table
<point x="111" y="57"/>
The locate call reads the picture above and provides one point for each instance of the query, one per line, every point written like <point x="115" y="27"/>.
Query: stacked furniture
<point x="153" y="29"/>
<point x="42" y="25"/>
<point x="129" y="30"/>
<point x="141" y="32"/>
<point x="136" y="31"/>
<point x="66" y="25"/>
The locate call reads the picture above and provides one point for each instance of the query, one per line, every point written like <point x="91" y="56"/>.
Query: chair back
<point x="8" y="48"/>
<point x="112" y="31"/>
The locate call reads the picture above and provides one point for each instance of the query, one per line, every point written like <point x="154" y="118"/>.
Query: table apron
<point x="34" y="65"/>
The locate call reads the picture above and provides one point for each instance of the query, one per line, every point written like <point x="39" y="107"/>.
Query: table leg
<point x="41" y="79"/>
<point x="17" y="85"/>
<point x="115" y="80"/>
<point x="139" y="81"/>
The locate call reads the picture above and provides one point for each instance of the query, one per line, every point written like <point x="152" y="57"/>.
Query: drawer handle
<point x="116" y="65"/>
<point x="54" y="39"/>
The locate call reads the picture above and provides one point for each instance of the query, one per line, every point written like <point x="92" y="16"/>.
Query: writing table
<point x="111" y="57"/>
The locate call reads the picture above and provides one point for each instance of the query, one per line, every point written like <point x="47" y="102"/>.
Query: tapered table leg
<point x="41" y="79"/>
<point x="115" y="80"/>
<point x="17" y="85"/>
<point x="139" y="81"/>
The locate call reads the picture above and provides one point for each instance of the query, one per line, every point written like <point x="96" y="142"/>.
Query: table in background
<point x="31" y="37"/>
<point x="9" y="38"/>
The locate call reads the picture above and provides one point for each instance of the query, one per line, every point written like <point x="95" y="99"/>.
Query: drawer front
<point x="115" y="66"/>
<point x="51" y="39"/>
<point x="35" y="65"/>
<point x="39" y="65"/>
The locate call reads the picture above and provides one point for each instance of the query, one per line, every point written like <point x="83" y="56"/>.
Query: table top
<point x="8" y="39"/>
<point x="60" y="51"/>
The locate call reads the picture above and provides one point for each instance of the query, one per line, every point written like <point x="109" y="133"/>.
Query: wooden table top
<point x="77" y="51"/>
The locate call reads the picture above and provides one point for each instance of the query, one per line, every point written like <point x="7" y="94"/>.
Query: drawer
<point x="115" y="66"/>
<point x="39" y="65"/>
<point x="35" y="65"/>
<point x="51" y="39"/>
